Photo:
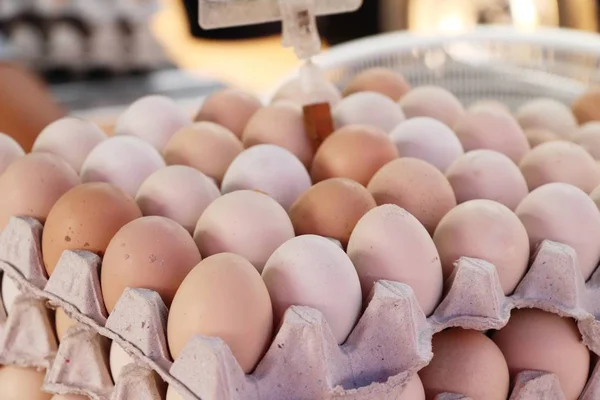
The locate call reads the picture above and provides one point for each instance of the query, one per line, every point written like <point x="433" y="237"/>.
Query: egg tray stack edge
<point x="390" y="343"/>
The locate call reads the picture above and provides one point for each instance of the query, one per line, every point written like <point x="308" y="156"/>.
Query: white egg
<point x="118" y="359"/>
<point x="72" y="139"/>
<point x="123" y="161"/>
<point x="270" y="169"/>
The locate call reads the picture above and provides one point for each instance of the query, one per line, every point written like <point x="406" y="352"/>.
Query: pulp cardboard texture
<point x="390" y="343"/>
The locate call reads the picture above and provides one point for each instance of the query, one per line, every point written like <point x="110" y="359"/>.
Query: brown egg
<point x="331" y="208"/>
<point x="466" y="362"/>
<point x="560" y="161"/>
<point x="485" y="230"/>
<point x="231" y="108"/>
<point x="487" y="174"/>
<point x="537" y="136"/>
<point x="432" y="101"/>
<point x="546" y="113"/>
<point x="585" y="107"/>
<point x="355" y="151"/>
<point x="225" y="297"/>
<point x="281" y="124"/>
<point x="541" y="341"/>
<point x="205" y="146"/>
<point x="292" y="91"/>
<point x="415" y="185"/>
<point x="488" y="128"/>
<point x="32" y="184"/>
<point x="63" y="323"/>
<point x="381" y="80"/>
<point x="588" y="137"/>
<point x="151" y="253"/>
<point x="86" y="218"/>
<point x="22" y="384"/>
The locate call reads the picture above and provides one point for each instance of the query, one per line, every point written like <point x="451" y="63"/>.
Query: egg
<point x="416" y="186"/>
<point x="595" y="196"/>
<point x="123" y="161"/>
<point x="270" y="169"/>
<point x="427" y="139"/>
<point x="312" y="271"/>
<point x="560" y="161"/>
<point x="86" y="218"/>
<point x="487" y="128"/>
<point x="487" y="174"/>
<point x="244" y="222"/>
<point x="10" y="151"/>
<point x="281" y="124"/>
<point x="585" y="106"/>
<point x="389" y="243"/>
<point x="434" y="102"/>
<point x="71" y="139"/>
<point x="368" y="108"/>
<point x="151" y="253"/>
<point x="546" y="113"/>
<point x="63" y="323"/>
<point x="486" y="230"/>
<point x="466" y="362"/>
<point x="355" y="151"/>
<point x="388" y="82"/>
<point x="588" y="137"/>
<point x="225" y="297"/>
<point x="495" y="104"/>
<point x="331" y="208"/>
<point x="22" y="383"/>
<point x="155" y="119"/>
<point x="537" y="340"/>
<point x="118" y="359"/>
<point x="293" y="91"/>
<point x="10" y="292"/>
<point x="537" y="136"/>
<point x="205" y="146"/>
<point x="178" y="192"/>
<point x="32" y="184"/>
<point x="230" y="108"/>
<point x="563" y="213"/>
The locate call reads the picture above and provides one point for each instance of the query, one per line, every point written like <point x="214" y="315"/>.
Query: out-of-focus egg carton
<point x="390" y="343"/>
<point x="83" y="35"/>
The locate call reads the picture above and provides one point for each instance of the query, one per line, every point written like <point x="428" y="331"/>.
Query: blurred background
<point x="92" y="57"/>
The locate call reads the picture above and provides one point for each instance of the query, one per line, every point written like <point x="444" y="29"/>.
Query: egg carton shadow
<point x="391" y="341"/>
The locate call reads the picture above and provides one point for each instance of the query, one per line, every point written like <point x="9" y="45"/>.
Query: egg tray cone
<point x="389" y="344"/>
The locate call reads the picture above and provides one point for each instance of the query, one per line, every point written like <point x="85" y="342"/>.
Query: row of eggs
<point x="382" y="241"/>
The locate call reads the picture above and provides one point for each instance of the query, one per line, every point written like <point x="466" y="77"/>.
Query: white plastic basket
<point x="497" y="62"/>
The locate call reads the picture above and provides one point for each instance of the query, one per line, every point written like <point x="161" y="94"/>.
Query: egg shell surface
<point x="389" y="243"/>
<point x="310" y="270"/>
<point x="244" y="222"/>
<point x="225" y="297"/>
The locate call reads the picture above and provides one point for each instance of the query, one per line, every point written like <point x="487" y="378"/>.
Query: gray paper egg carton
<point x="390" y="343"/>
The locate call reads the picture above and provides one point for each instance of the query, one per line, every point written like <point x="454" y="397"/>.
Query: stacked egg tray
<point x="389" y="344"/>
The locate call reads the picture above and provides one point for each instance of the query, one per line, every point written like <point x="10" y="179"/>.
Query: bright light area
<point x="524" y="13"/>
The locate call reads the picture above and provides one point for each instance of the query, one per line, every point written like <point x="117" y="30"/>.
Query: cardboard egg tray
<point x="389" y="344"/>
